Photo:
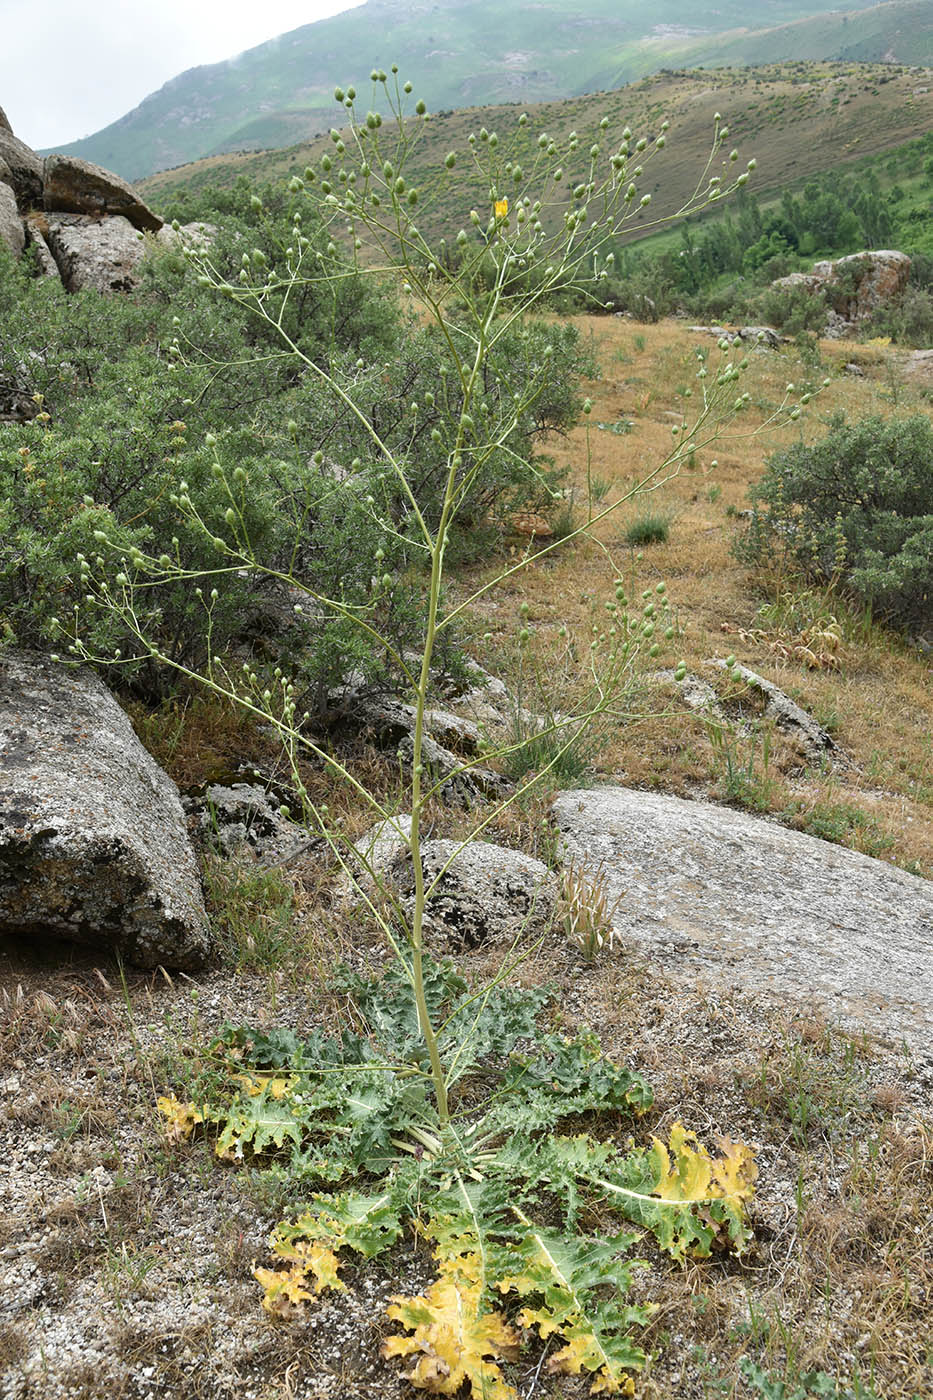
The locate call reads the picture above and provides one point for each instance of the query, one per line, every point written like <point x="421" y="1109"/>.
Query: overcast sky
<point x="69" y="67"/>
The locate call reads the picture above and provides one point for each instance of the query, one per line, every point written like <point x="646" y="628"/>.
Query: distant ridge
<point x="465" y="53"/>
<point x="797" y="119"/>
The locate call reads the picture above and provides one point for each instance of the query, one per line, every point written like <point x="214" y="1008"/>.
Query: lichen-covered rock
<point x="198" y="236"/>
<point x="855" y="286"/>
<point x="487" y="893"/>
<point x="73" y="186"/>
<point x="721" y="897"/>
<point x="93" y="843"/>
<point x="245" y="817"/>
<point x="36" y="227"/>
<point x="11" y="225"/>
<point x="102" y="254"/>
<point x="815" y="742"/>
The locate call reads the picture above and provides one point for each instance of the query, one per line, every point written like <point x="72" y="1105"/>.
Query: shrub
<point x="855" y="508"/>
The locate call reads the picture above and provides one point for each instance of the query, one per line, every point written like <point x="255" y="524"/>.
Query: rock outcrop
<point x="93" y="844"/>
<point x="12" y="232"/>
<point x="855" y="287"/>
<point x="84" y="223"/>
<point x="725" y="898"/>
<point x="24" y="170"/>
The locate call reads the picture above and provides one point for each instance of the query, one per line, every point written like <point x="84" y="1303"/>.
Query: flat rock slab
<point x="93" y="843"/>
<point x="719" y="895"/>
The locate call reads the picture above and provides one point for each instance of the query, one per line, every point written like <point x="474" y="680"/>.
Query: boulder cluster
<point x="85" y="225"/>
<point x="855" y="287"/>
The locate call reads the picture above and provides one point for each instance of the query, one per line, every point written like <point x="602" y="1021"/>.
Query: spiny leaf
<point x="278" y="1086"/>
<point x="454" y="1339"/>
<point x="577" y="1284"/>
<point x="664" y="1189"/>
<point x="366" y="1224"/>
<point x="257" y="1123"/>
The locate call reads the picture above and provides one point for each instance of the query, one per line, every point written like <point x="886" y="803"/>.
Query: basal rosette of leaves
<point x="529" y="1222"/>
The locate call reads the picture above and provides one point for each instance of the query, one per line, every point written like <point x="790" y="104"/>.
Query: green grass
<point x="650" y="527"/>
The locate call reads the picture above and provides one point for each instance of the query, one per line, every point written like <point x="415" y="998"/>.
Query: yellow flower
<point x="501" y="208"/>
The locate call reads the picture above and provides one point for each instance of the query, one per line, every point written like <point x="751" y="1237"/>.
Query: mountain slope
<point x="470" y="52"/>
<point x="796" y="120"/>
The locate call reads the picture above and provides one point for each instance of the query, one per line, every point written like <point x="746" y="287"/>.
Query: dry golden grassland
<point x="867" y="685"/>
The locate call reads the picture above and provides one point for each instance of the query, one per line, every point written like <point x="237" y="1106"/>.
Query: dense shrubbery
<point x="723" y="267"/>
<point x="124" y="422"/>
<point x="855" y="508"/>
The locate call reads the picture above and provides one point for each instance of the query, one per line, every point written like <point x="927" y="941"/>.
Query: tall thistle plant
<point x="408" y="1124"/>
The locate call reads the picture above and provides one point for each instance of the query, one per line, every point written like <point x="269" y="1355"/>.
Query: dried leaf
<point x="181" y="1118"/>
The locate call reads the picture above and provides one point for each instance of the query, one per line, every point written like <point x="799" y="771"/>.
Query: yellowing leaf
<point x="695" y="1176"/>
<point x="286" y="1290"/>
<point x="454" y="1341"/>
<point x="582" y="1354"/>
<point x="181" y="1117"/>
<point x="689" y="1177"/>
<point x="254" y="1084"/>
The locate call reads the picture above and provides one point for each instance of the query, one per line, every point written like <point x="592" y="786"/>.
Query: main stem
<point x="431" y="629"/>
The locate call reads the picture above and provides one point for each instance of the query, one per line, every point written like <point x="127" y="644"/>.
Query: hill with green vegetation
<point x="797" y="120"/>
<point x="466" y="54"/>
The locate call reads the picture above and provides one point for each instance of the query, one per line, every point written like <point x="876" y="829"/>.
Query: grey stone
<point x="787" y="714"/>
<point x="4" y="123"/>
<point x="391" y="723"/>
<point x="35" y="226"/>
<point x="73" y="186"/>
<point x="17" y="404"/>
<point x="245" y="816"/>
<point x="11" y="225"/>
<point x="730" y="899"/>
<point x="198" y="236"/>
<point x="766" y="336"/>
<point x="101" y="254"/>
<point x="93" y="843"/>
<point x="696" y="693"/>
<point x="486" y="893"/>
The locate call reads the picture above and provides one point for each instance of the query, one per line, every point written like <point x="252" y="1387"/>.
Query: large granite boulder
<point x="91" y="237"/>
<point x="73" y="186"/>
<point x="93" y="843"/>
<point x="724" y="898"/>
<point x="103" y="254"/>
<point x="11" y="225"/>
<point x="25" y="169"/>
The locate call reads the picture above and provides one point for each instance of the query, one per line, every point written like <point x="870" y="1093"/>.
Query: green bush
<point x="170" y="385"/>
<point x="855" y="508"/>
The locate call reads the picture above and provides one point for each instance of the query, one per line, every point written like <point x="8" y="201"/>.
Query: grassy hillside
<point x="795" y="119"/>
<point x="465" y="53"/>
